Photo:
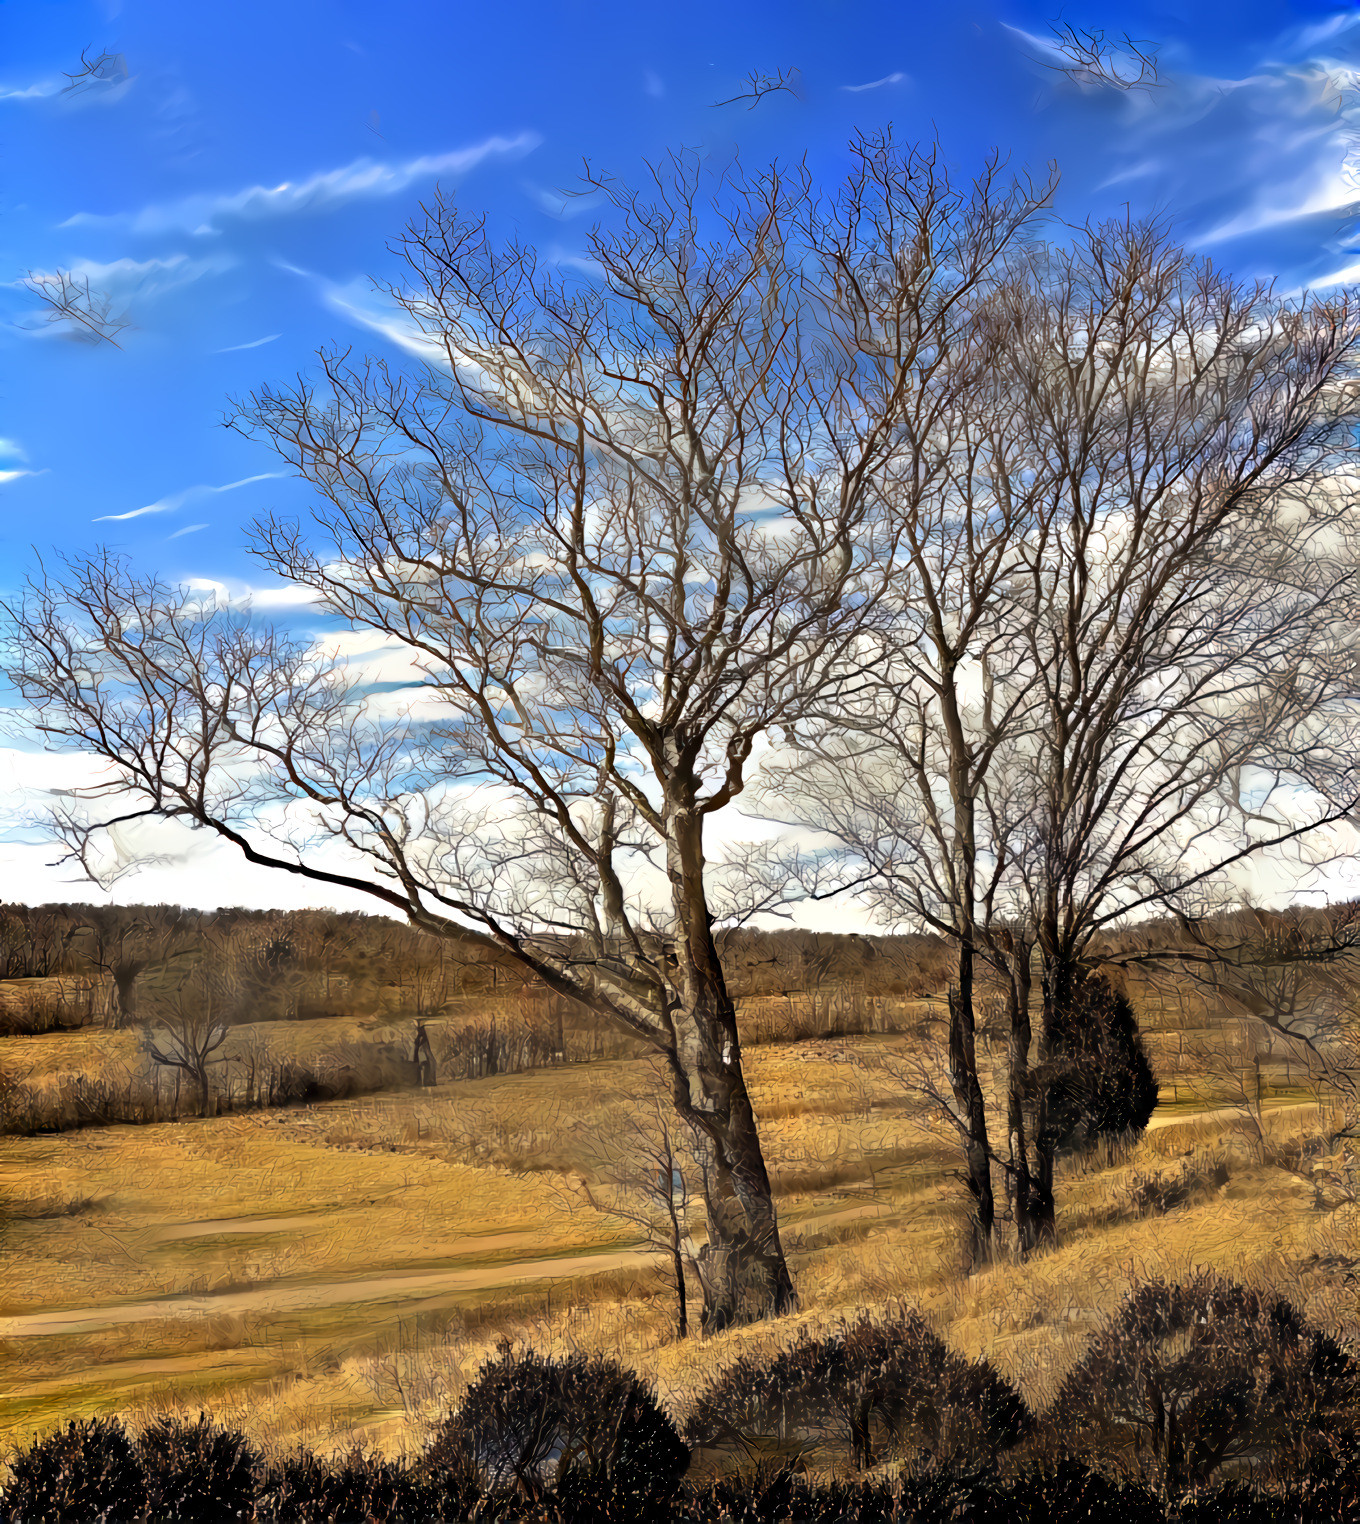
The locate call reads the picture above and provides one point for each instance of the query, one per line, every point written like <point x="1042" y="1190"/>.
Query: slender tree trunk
<point x="1056" y="992"/>
<point x="1019" y="1182"/>
<point x="743" y="1271"/>
<point x="967" y="1089"/>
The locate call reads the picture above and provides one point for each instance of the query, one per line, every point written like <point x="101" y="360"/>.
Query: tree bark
<point x="743" y="1272"/>
<point x="1020" y="1183"/>
<point x="967" y="1089"/>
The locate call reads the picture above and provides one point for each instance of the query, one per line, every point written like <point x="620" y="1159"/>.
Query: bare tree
<point x="97" y="69"/>
<point x="1091" y="58"/>
<point x="124" y="948"/>
<point x="1137" y="673"/>
<point x="651" y="1168"/>
<point x="759" y="85"/>
<point x="624" y="525"/>
<point x="70" y="298"/>
<point x="187" y="1026"/>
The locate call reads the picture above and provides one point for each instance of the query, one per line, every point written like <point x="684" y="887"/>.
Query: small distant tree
<point x="648" y="1163"/>
<point x="188" y="1025"/>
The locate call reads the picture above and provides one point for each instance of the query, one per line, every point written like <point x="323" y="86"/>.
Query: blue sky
<point x="235" y="193"/>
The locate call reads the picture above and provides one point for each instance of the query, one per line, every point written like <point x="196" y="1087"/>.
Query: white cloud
<point x="188" y="529"/>
<point x="129" y="280"/>
<point x="11" y="476"/>
<point x="43" y="90"/>
<point x="363" y="179"/>
<point x="11" y="449"/>
<point x="875" y="84"/>
<point x="178" y="499"/>
<point x="253" y="344"/>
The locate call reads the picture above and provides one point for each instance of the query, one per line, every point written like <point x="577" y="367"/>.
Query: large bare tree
<point x="625" y="519"/>
<point x="1124" y="665"/>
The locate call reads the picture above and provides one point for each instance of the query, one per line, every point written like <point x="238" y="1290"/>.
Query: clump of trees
<point x="1009" y="559"/>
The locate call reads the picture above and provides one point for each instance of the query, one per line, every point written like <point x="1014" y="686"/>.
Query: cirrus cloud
<point x="363" y="179"/>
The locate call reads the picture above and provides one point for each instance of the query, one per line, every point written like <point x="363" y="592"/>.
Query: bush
<point x="87" y="1473"/>
<point x="1185" y="1380"/>
<point x="1066" y="1489"/>
<point x="197" y="1473"/>
<point x="361" y="1488"/>
<point x="870" y="1387"/>
<point x="583" y="1428"/>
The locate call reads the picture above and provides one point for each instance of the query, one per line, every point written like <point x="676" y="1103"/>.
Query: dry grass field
<point x="334" y="1273"/>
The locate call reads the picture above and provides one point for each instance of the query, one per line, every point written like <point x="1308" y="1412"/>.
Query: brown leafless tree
<point x="70" y="298"/>
<point x="186" y="1026"/>
<point x="625" y="523"/>
<point x="759" y="85"/>
<point x="1122" y="666"/>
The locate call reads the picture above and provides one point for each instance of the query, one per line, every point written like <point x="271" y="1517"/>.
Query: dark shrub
<point x="773" y="1496"/>
<point x="1184" y="1380"/>
<point x="870" y="1387"/>
<point x="1097" y="1082"/>
<point x="361" y="1489"/>
<point x="1065" y="1490"/>
<point x="582" y="1428"/>
<point x="197" y="1473"/>
<point x="87" y="1473"/>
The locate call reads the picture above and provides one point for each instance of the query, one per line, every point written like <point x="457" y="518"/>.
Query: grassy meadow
<point x="333" y="1273"/>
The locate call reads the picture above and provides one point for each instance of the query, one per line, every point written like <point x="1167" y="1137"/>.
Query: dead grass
<point x="437" y="1197"/>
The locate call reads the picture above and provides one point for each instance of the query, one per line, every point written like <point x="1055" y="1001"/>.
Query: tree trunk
<point x="1057" y="989"/>
<point x="1020" y="1184"/>
<point x="124" y="988"/>
<point x="742" y="1268"/>
<point x="967" y="1089"/>
<point x="201" y="1080"/>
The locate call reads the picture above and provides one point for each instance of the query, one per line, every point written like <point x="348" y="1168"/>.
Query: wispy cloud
<point x="188" y="529"/>
<point x="43" y="90"/>
<point x="177" y="500"/>
<point x="253" y="344"/>
<point x="126" y="280"/>
<point x="363" y="179"/>
<point x="11" y="449"/>
<point x="13" y="476"/>
<point x="876" y="84"/>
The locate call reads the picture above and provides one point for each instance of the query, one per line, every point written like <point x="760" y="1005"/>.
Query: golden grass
<point x="335" y="1273"/>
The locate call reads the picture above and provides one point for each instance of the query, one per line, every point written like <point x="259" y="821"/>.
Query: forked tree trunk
<point x="742" y="1269"/>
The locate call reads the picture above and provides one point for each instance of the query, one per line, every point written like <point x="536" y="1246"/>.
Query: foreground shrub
<point x="584" y="1429"/>
<point x="1065" y="1489"/>
<point x="197" y="1473"/>
<point x="1185" y="1380"/>
<point x="86" y="1473"/>
<point x="360" y="1488"/>
<point x="871" y="1388"/>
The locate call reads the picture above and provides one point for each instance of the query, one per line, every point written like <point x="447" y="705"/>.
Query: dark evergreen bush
<point x="583" y="1428"/>
<point x="197" y="1473"/>
<point x="1184" y="1380"/>
<point x="86" y="1473"/>
<point x="872" y="1388"/>
<point x="1097" y="1081"/>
